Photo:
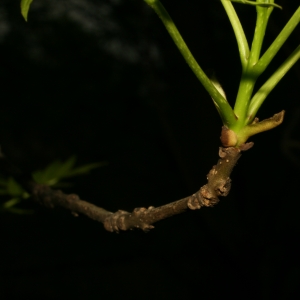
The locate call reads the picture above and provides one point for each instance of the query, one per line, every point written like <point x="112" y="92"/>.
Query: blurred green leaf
<point x="66" y="167"/>
<point x="50" y="172"/>
<point x="85" y="169"/>
<point x="10" y="203"/>
<point x="52" y="175"/>
<point x="25" y="5"/>
<point x="54" y="171"/>
<point x="57" y="170"/>
<point x="10" y="206"/>
<point x="13" y="188"/>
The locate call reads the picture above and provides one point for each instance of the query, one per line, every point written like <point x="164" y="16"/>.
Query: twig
<point x="218" y="184"/>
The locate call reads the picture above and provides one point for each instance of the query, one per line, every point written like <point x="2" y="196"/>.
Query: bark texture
<point x="218" y="184"/>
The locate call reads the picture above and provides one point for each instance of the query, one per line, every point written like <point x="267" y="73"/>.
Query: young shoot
<point x="240" y="121"/>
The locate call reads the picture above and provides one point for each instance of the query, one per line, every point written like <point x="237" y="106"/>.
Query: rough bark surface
<point x="218" y="184"/>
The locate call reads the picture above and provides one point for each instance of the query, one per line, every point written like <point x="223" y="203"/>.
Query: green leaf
<point x="51" y="170"/>
<point x="85" y="169"/>
<point x="13" y="188"/>
<point x="58" y="170"/>
<point x="54" y="171"/>
<point x="25" y="5"/>
<point x="10" y="203"/>
<point x="66" y="167"/>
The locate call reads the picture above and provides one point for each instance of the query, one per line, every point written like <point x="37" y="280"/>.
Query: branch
<point x="218" y="184"/>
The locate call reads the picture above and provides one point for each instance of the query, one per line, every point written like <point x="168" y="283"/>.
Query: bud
<point x="228" y="137"/>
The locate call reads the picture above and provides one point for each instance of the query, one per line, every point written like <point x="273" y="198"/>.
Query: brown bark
<point x="218" y="184"/>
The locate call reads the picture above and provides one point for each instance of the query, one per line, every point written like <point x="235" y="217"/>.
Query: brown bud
<point x="228" y="137"/>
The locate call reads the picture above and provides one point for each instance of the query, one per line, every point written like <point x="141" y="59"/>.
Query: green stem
<point x="238" y="31"/>
<point x="263" y="15"/>
<point x="223" y="107"/>
<point x="269" y="85"/>
<point x="262" y="4"/>
<point x="278" y="42"/>
<point x="258" y="127"/>
<point x="245" y="91"/>
<point x="249" y="74"/>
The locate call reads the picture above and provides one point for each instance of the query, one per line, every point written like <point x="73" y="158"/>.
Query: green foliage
<point x="241" y="118"/>
<point x="56" y="171"/>
<point x="52" y="175"/>
<point x="25" y="5"/>
<point x="9" y="188"/>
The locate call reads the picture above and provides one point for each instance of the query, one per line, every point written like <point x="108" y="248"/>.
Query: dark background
<point x="103" y="80"/>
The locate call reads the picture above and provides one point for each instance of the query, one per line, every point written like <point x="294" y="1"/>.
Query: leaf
<point x="10" y="203"/>
<point x="54" y="171"/>
<point x="13" y="188"/>
<point x="58" y="170"/>
<point x="66" y="167"/>
<point x="25" y="5"/>
<point x="85" y="169"/>
<point x="48" y="176"/>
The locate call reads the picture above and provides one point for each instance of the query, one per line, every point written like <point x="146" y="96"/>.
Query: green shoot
<point x="240" y="118"/>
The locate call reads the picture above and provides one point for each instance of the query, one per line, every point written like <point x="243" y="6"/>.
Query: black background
<point x="103" y="80"/>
